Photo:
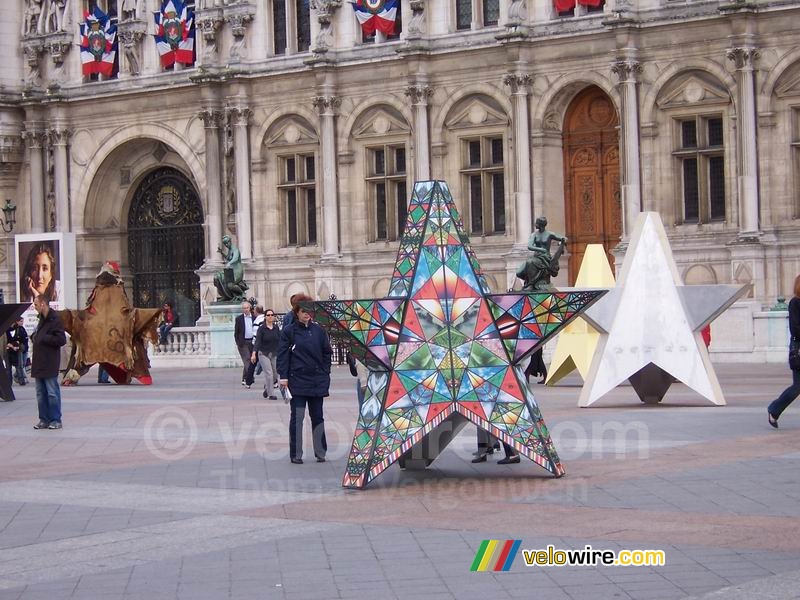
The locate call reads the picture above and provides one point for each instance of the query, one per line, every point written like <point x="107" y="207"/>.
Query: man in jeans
<point x="47" y="341"/>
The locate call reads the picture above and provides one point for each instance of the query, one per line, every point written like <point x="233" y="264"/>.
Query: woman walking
<point x="265" y="351"/>
<point x="790" y="393"/>
<point x="304" y="365"/>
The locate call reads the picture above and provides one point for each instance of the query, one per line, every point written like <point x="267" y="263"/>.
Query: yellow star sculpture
<point x="578" y="340"/>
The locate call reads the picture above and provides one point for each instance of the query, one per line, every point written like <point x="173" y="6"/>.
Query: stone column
<point x="59" y="137"/>
<point x="212" y="119"/>
<point x="519" y="84"/>
<point x="241" y="148"/>
<point x="327" y="105"/>
<point x="35" y="139"/>
<point x="419" y="94"/>
<point x="747" y="180"/>
<point x="628" y="71"/>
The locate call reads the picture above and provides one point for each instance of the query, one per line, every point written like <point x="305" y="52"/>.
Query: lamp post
<point x="10" y="216"/>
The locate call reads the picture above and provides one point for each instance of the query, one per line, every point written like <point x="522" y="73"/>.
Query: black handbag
<point x="794" y="354"/>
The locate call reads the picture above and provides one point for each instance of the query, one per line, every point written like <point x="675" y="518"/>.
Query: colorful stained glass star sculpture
<point x="444" y="351"/>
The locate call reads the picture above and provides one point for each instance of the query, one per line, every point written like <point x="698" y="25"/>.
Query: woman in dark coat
<point x="790" y="393"/>
<point x="304" y="365"/>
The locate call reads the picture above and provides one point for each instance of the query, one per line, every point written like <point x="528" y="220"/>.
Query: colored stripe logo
<point x="495" y="555"/>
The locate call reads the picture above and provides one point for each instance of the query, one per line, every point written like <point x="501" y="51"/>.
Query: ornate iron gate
<point x="166" y="244"/>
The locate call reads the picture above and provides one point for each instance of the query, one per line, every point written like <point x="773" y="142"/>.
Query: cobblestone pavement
<point x="184" y="490"/>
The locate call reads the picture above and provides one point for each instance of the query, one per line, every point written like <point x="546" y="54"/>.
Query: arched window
<point x="293" y="147"/>
<point x="477" y="127"/>
<point x="695" y="106"/>
<point x="382" y="134"/>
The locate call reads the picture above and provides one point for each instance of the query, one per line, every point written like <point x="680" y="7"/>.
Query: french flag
<point x="98" y="43"/>
<point x="376" y="15"/>
<point x="175" y="33"/>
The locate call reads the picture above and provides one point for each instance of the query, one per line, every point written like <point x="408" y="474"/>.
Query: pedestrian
<point x="304" y="366"/>
<point x="47" y="341"/>
<point x="265" y="351"/>
<point x="17" y="347"/>
<point x="536" y="367"/>
<point x="288" y="318"/>
<point x="167" y="323"/>
<point x="487" y="444"/>
<point x="360" y="372"/>
<point x="777" y="407"/>
<point x="243" y="336"/>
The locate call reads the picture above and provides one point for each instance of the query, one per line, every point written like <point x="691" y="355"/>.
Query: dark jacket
<point x="19" y="341"/>
<point x="47" y="341"/>
<point x="266" y="340"/>
<point x="238" y="330"/>
<point x="794" y="318"/>
<point x="304" y="358"/>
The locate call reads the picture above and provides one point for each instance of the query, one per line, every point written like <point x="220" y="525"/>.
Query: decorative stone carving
<point x="325" y="10"/>
<point x="59" y="136"/>
<point x="238" y="17"/>
<point x="131" y="34"/>
<point x="416" y="24"/>
<point x="130" y="10"/>
<point x="58" y="45"/>
<point x="34" y="138"/>
<point x="212" y="118"/>
<point x="326" y="104"/>
<point x="32" y="22"/>
<point x="419" y="93"/>
<point x="56" y="16"/>
<point x="229" y="170"/>
<point x="240" y="115"/>
<point x="743" y="57"/>
<point x="208" y="24"/>
<point x="517" y="14"/>
<point x="32" y="49"/>
<point x="627" y="70"/>
<point x="518" y="82"/>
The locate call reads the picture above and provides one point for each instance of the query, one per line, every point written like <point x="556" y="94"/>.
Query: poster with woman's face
<point x="40" y="272"/>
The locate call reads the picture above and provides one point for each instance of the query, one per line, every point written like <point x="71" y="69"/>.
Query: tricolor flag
<point x="495" y="555"/>
<point x="98" y="43"/>
<point x="175" y="33"/>
<point x="376" y="15"/>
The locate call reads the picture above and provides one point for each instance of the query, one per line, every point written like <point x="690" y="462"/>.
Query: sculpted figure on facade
<point x="325" y="10"/>
<point x="517" y="14"/>
<point x="33" y="14"/>
<point x="130" y="10"/>
<point x="537" y="270"/>
<point x="230" y="281"/>
<point x="416" y="24"/>
<point x="56" y="17"/>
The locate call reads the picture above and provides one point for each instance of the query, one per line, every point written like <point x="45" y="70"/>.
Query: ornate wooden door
<point x="591" y="175"/>
<point x="166" y="244"/>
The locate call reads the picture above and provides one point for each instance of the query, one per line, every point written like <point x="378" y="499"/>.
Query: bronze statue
<point x="537" y="270"/>
<point x="230" y="281"/>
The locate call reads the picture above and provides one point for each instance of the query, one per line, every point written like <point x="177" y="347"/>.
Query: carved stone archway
<point x="166" y="243"/>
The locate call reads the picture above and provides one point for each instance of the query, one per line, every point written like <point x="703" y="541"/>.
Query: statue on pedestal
<point x="537" y="270"/>
<point x="230" y="281"/>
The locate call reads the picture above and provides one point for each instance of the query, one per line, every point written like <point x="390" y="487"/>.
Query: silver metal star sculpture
<point x="650" y="324"/>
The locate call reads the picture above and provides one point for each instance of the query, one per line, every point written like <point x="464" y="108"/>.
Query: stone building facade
<point x="302" y="138"/>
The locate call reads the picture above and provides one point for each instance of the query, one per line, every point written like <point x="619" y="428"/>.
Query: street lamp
<point x="10" y="214"/>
